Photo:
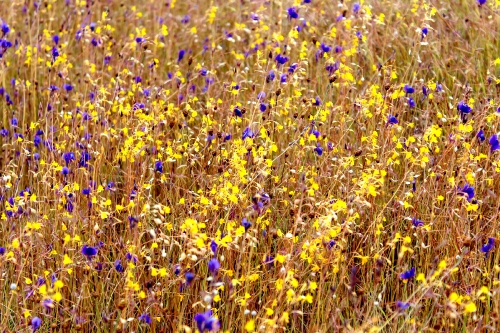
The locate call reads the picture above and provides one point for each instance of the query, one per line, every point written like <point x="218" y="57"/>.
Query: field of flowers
<point x="249" y="166"/>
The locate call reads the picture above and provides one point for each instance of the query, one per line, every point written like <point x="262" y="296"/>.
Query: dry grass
<point x="334" y="188"/>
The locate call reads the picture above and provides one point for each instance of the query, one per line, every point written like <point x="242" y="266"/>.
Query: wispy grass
<point x="338" y="130"/>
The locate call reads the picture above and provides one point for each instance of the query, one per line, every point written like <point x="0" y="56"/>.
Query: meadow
<point x="249" y="166"/>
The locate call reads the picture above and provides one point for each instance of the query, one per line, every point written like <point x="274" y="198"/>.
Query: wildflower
<point x="481" y="2"/>
<point x="318" y="150"/>
<point x="131" y="257"/>
<point x="463" y="108"/>
<point x="408" y="89"/>
<point x="237" y="112"/>
<point x="281" y="60"/>
<point x="263" y="107"/>
<point x="181" y="55"/>
<point x="68" y="157"/>
<point x="416" y="222"/>
<point x="206" y="322"/>
<point x="325" y="48"/>
<point x="36" y="323"/>
<point x="65" y="171"/>
<point x="269" y="261"/>
<point x="495" y="145"/>
<point x="213" y="266"/>
<point x="292" y="68"/>
<point x="468" y="191"/>
<point x="270" y="77"/>
<point x="356" y="7"/>
<point x="408" y="274"/>
<point x="486" y="248"/>
<point x="213" y="246"/>
<point x="48" y="304"/>
<point x="425" y="31"/>
<point x="159" y="166"/>
<point x="411" y="102"/>
<point x="189" y="277"/>
<point x="330" y="244"/>
<point x="89" y="251"/>
<point x="247" y="133"/>
<point x="118" y="266"/>
<point x="392" y="120"/>
<point x="480" y="135"/>
<point x="246" y="224"/>
<point x="292" y="13"/>
<point x="5" y="28"/>
<point x="2" y="251"/>
<point x="145" y="318"/>
<point x="402" y="305"/>
<point x="67" y="87"/>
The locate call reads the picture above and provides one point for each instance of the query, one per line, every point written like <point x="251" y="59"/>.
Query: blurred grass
<point x="358" y="193"/>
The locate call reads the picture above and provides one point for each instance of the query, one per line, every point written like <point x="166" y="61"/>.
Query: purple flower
<point x="206" y="322"/>
<point x="247" y="133"/>
<point x="263" y="107"/>
<point x="237" y="112"/>
<point x="486" y="248"/>
<point x="425" y="31"/>
<point x="416" y="222"/>
<point x="5" y="28"/>
<point x="65" y="171"/>
<point x="392" y="120"/>
<point x="48" y="304"/>
<point x="214" y="246"/>
<point x="36" y="323"/>
<point x="402" y="305"/>
<point x="408" y="274"/>
<point x="408" y="89"/>
<point x="89" y="251"/>
<point x="270" y="76"/>
<point x="463" y="107"/>
<point x="356" y="7"/>
<point x="145" y="318"/>
<point x="118" y="266"/>
<point x="318" y="150"/>
<point x="411" y="102"/>
<point x="292" y="68"/>
<point x="68" y="157"/>
<point x="181" y="55"/>
<point x="269" y="261"/>
<point x="281" y="60"/>
<point x="292" y="13"/>
<point x="67" y="87"/>
<point x="325" y="48"/>
<point x="481" y="2"/>
<point x="159" y="166"/>
<point x="495" y="145"/>
<point x="213" y="266"/>
<point x="189" y="277"/>
<point x="480" y="135"/>
<point x="468" y="191"/>
<point x="246" y="224"/>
